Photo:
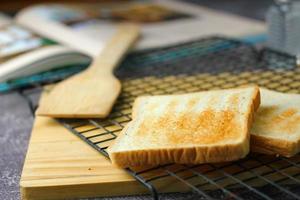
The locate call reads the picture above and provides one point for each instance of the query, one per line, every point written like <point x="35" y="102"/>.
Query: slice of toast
<point x="193" y="128"/>
<point x="276" y="127"/>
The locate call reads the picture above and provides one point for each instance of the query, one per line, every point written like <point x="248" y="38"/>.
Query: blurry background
<point x="16" y="118"/>
<point x="253" y="9"/>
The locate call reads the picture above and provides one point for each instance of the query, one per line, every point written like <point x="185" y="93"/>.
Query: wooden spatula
<point x="91" y="93"/>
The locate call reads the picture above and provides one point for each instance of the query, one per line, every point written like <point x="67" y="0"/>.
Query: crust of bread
<point x="267" y="145"/>
<point x="186" y="155"/>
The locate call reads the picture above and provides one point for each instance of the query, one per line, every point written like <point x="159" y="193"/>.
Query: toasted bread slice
<point x="276" y="127"/>
<point x="190" y="128"/>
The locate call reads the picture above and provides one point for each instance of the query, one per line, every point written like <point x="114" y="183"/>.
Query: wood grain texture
<point x="92" y="93"/>
<point x="59" y="165"/>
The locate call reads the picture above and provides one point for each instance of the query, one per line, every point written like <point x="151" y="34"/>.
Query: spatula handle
<point x="115" y="49"/>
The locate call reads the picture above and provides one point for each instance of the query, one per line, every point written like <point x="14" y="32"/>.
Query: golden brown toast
<point x="276" y="127"/>
<point x="193" y="128"/>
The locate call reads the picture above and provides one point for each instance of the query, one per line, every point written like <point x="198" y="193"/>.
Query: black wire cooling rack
<point x="204" y="64"/>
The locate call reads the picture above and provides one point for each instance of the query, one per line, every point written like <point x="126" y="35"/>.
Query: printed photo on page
<point x="159" y="19"/>
<point x="23" y="52"/>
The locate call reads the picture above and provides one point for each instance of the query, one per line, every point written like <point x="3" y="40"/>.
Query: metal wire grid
<point x="212" y="63"/>
<point x="257" y="175"/>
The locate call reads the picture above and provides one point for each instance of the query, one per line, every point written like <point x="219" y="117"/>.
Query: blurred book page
<point x="86" y="27"/>
<point x="4" y="20"/>
<point x="23" y="53"/>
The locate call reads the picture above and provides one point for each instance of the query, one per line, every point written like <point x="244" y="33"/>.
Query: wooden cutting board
<point x="59" y="165"/>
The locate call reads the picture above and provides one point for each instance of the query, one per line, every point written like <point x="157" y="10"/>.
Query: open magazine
<point x="66" y="34"/>
<point x="23" y="52"/>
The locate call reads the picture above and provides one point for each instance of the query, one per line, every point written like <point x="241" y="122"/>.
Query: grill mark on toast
<point x="205" y="128"/>
<point x="270" y="119"/>
<point x="149" y="122"/>
<point x="168" y="116"/>
<point x="287" y="120"/>
<point x="234" y="99"/>
<point x="267" y="111"/>
<point x="208" y="127"/>
<point x="285" y="115"/>
<point x="192" y="102"/>
<point x="212" y="101"/>
<point x="172" y="106"/>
